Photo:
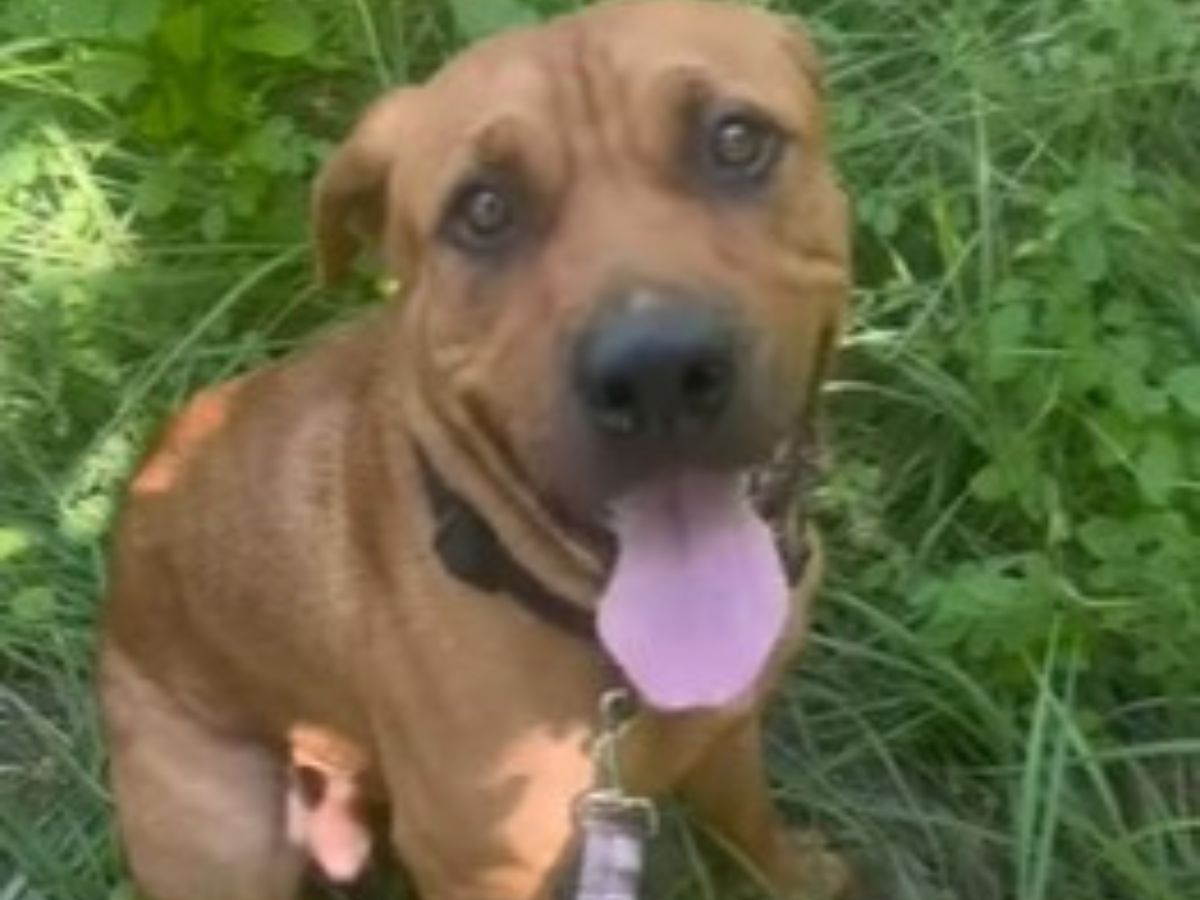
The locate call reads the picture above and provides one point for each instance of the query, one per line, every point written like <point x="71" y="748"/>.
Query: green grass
<point x="1001" y="699"/>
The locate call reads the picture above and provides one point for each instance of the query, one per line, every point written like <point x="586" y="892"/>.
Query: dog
<point x="442" y="533"/>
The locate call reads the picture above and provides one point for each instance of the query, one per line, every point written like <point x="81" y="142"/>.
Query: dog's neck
<point x="464" y="470"/>
<point x="471" y="550"/>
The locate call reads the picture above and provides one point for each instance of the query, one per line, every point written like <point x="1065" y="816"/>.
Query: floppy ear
<point x="350" y="197"/>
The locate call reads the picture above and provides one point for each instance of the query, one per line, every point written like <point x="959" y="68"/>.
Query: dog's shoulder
<point x="275" y="407"/>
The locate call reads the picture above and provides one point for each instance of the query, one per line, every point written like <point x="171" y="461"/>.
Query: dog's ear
<point x="350" y="198"/>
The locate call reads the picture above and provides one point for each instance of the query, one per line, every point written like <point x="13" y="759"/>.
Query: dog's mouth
<point x="697" y="597"/>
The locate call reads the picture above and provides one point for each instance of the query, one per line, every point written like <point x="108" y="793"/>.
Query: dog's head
<point x="623" y="243"/>
<point x="621" y="235"/>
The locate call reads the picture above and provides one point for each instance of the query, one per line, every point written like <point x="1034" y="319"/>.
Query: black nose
<point x="662" y="366"/>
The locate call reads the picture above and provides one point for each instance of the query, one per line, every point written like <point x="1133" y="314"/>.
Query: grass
<point x="1001" y="699"/>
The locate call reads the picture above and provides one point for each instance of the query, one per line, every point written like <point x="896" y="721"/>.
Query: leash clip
<point x="616" y="713"/>
<point x="615" y="824"/>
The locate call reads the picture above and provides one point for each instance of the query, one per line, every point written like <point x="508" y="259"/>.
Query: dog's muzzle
<point x="656" y="371"/>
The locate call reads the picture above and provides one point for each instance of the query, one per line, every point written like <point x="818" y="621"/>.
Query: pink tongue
<point x="698" y="596"/>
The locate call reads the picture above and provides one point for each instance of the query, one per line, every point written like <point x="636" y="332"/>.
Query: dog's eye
<point x="742" y="145"/>
<point x="486" y="211"/>
<point x="481" y="216"/>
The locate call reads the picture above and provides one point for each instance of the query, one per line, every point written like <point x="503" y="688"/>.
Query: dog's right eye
<point x="482" y="216"/>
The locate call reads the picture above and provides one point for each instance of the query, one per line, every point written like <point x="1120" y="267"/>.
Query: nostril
<point x="616" y="394"/>
<point x="704" y="384"/>
<point x="615" y="405"/>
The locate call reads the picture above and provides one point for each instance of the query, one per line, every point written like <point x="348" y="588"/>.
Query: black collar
<point x="470" y="549"/>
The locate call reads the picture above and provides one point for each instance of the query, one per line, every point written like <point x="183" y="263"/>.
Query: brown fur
<point x="273" y="562"/>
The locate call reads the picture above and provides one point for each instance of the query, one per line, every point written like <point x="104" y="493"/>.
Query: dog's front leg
<point x="487" y="816"/>
<point x="512" y="848"/>
<point x="728" y="792"/>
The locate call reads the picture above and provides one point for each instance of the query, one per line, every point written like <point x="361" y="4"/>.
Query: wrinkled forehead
<point x="617" y="56"/>
<point x="737" y="47"/>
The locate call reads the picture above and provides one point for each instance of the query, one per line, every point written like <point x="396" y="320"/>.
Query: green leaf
<point x="85" y="519"/>
<point x="1184" y="386"/>
<point x="185" y="34"/>
<point x="214" y="224"/>
<point x="990" y="484"/>
<point x="246" y="191"/>
<point x="286" y="32"/>
<point x="276" y="146"/>
<point x="19" y="164"/>
<point x="157" y="192"/>
<point x="225" y="99"/>
<point x="1105" y="538"/>
<point x="1089" y="254"/>
<point x="475" y="19"/>
<point x="988" y="611"/>
<point x="1130" y="392"/>
<point x="1008" y="327"/>
<point x="878" y="211"/>
<point x="13" y="542"/>
<point x="1159" y="466"/>
<point x="132" y="20"/>
<point x="79" y="19"/>
<point x="33" y="605"/>
<point x="111" y="74"/>
<point x="1127" y="539"/>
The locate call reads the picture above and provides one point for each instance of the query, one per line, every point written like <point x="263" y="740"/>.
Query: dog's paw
<point x="816" y="871"/>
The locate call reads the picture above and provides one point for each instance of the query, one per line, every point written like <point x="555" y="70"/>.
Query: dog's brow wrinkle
<point x="561" y="71"/>
<point x="590" y="105"/>
<point x="599" y="131"/>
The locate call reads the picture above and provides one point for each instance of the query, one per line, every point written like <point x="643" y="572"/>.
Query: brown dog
<point x="442" y="533"/>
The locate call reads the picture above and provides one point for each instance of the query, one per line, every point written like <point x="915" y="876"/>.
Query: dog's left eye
<point x="732" y="149"/>
<point x="481" y="216"/>
<point x="743" y="145"/>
